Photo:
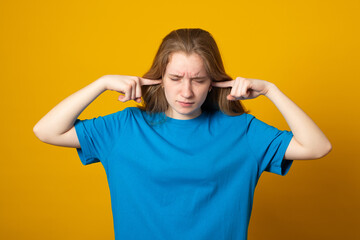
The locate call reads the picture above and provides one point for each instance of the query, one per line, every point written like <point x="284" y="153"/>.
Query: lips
<point x="186" y="104"/>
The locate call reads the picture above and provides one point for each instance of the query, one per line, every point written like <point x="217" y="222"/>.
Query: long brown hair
<point x="190" y="40"/>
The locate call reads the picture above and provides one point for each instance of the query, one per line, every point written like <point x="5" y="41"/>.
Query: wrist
<point x="272" y="89"/>
<point x="102" y="83"/>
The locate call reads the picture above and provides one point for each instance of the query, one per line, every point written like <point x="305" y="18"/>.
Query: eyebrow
<point x="179" y="76"/>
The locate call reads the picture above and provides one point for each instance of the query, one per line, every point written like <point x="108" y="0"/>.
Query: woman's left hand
<point x="244" y="88"/>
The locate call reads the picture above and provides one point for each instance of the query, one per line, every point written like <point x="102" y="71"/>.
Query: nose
<point x="186" y="89"/>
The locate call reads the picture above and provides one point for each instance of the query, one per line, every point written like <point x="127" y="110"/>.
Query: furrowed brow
<point x="199" y="77"/>
<point x="179" y="76"/>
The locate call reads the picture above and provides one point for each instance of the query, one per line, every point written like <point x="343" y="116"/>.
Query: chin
<point x="186" y="110"/>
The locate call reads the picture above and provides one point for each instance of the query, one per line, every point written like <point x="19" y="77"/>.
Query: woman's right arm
<point x="57" y="126"/>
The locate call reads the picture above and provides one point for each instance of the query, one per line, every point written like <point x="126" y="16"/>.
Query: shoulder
<point x="130" y="112"/>
<point x="120" y="116"/>
<point x="219" y="115"/>
<point x="234" y="124"/>
<point x="135" y="114"/>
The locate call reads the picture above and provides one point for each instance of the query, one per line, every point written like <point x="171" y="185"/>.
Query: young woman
<point x="185" y="165"/>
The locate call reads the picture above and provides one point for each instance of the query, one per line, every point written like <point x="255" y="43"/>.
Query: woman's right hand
<point x="57" y="126"/>
<point x="130" y="86"/>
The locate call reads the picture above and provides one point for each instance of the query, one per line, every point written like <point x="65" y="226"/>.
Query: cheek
<point x="203" y="91"/>
<point x="169" y="92"/>
<point x="170" y="88"/>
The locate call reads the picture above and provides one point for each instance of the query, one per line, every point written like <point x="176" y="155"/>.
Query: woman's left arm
<point x="308" y="142"/>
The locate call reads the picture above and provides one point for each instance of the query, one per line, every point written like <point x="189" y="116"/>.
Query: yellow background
<point x="50" y="49"/>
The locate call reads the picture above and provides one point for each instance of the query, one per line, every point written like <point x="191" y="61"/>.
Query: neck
<point x="172" y="114"/>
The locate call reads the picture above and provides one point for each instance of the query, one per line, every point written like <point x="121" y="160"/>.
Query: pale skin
<point x="57" y="126"/>
<point x="308" y="142"/>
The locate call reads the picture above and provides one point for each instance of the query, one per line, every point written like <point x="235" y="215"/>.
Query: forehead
<point x="182" y="64"/>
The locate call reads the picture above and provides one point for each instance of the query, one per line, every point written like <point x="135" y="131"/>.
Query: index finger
<point x="145" y="81"/>
<point x="223" y="84"/>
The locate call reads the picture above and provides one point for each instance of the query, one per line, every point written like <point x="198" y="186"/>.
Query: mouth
<point x="185" y="104"/>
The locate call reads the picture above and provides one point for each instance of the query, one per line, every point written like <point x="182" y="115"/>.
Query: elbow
<point x="328" y="148"/>
<point x="36" y="131"/>
<point x="324" y="150"/>
<point x="39" y="133"/>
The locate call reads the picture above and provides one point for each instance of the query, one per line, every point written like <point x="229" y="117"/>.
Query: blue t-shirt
<point x="182" y="179"/>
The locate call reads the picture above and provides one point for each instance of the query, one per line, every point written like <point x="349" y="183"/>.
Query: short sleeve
<point x="98" y="135"/>
<point x="269" y="145"/>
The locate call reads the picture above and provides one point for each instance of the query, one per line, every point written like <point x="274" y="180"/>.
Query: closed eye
<point x="200" y="81"/>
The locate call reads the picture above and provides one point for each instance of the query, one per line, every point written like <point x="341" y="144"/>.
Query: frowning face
<point x="186" y="85"/>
